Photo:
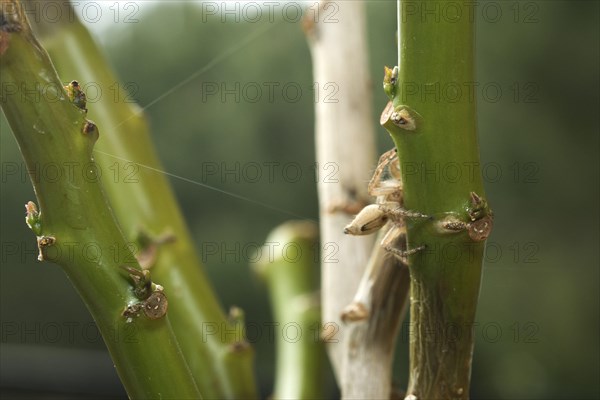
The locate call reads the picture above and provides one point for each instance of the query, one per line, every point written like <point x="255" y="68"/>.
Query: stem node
<point x="399" y="119"/>
<point x="43" y="243"/>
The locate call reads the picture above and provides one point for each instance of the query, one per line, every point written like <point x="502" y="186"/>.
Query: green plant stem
<point x="292" y="281"/>
<point x="142" y="199"/>
<point x="434" y="55"/>
<point x="75" y="216"/>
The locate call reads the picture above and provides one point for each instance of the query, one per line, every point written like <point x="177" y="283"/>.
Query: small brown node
<point x="132" y="310"/>
<point x="399" y="116"/>
<point x="403" y="119"/>
<point x="482" y="228"/>
<point x="156" y="305"/>
<point x="46" y="241"/>
<point x="89" y="127"/>
<point x="91" y="131"/>
<point x="355" y="312"/>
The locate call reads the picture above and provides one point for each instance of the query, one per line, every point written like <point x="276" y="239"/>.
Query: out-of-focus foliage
<point x="537" y="335"/>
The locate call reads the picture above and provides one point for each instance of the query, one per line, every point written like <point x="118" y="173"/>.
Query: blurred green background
<point x="538" y="318"/>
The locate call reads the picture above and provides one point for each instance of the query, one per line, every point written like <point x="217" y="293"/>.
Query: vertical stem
<point x="75" y="225"/>
<point x="373" y="320"/>
<point x="433" y="124"/>
<point x="345" y="144"/>
<point x="144" y="203"/>
<point x="293" y="286"/>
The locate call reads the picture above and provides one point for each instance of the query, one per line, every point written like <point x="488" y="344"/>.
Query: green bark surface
<point x="76" y="228"/>
<point x="144" y="203"/>
<point x="292" y="279"/>
<point x="439" y="159"/>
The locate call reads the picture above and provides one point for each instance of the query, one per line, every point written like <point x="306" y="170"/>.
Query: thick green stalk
<point x="292" y="279"/>
<point x="75" y="225"/>
<point x="433" y="124"/>
<point x="221" y="362"/>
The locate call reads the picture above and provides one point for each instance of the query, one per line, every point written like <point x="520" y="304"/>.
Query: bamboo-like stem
<point x="74" y="217"/>
<point x="219" y="357"/>
<point x="293" y="279"/>
<point x="363" y="356"/>
<point x="345" y="144"/>
<point x="434" y="128"/>
<point x="373" y="320"/>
